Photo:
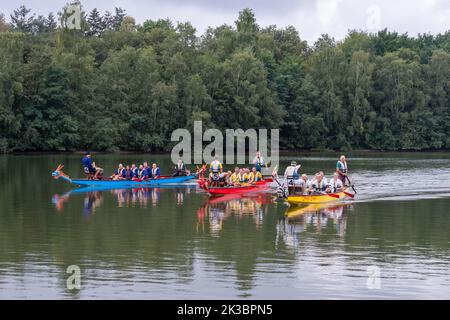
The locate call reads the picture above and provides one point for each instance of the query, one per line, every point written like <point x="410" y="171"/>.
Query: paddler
<point x="319" y="183"/>
<point x="141" y="172"/>
<point x="180" y="169"/>
<point x="258" y="161"/>
<point x="255" y="176"/>
<point x="145" y="174"/>
<point x="88" y="166"/>
<point x="335" y="183"/>
<point x="156" y="172"/>
<point x="342" y="170"/>
<point x="235" y="177"/>
<point x="120" y="173"/>
<point x="134" y="171"/>
<point x="128" y="173"/>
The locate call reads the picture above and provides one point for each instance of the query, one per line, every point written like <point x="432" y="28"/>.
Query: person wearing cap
<point x="89" y="166"/>
<point x="291" y="171"/>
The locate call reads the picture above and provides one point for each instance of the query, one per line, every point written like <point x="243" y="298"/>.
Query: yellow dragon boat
<point x="320" y="198"/>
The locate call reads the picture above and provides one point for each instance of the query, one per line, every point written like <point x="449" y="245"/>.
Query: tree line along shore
<point x="118" y="85"/>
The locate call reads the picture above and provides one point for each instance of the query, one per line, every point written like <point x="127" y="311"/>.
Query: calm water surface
<point x="178" y="243"/>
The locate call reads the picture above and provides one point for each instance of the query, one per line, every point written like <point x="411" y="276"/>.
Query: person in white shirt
<point x="335" y="183"/>
<point x="291" y="171"/>
<point x="319" y="183"/>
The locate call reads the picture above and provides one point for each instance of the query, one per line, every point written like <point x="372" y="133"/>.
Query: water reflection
<point x="125" y="198"/>
<point x="217" y="209"/>
<point x="311" y="218"/>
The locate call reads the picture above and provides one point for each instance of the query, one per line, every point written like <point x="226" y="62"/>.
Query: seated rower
<point x="336" y="183"/>
<point x="128" y="173"/>
<point x="246" y="176"/>
<point x="255" y="176"/>
<point x="119" y="174"/>
<point x="146" y="172"/>
<point x="319" y="183"/>
<point x="180" y="169"/>
<point x="235" y="177"/>
<point x="241" y="175"/>
<point x="155" y="172"/>
<point x="141" y="173"/>
<point x="134" y="172"/>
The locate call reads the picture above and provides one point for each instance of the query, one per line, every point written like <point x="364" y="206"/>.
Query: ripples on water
<point x="178" y="243"/>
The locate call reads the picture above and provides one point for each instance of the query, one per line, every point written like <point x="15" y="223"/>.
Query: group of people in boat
<point x="239" y="177"/>
<point x="301" y="184"/>
<point x="130" y="172"/>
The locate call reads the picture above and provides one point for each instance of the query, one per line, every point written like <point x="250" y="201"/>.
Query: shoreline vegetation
<point x="116" y="85"/>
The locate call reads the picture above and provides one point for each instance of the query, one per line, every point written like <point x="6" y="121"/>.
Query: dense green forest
<point x="117" y="85"/>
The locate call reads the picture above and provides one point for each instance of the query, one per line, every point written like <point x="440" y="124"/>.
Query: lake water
<point x="392" y="242"/>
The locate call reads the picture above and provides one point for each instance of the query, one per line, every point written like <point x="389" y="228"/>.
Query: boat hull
<point x="259" y="186"/>
<point x="131" y="183"/>
<point x="320" y="198"/>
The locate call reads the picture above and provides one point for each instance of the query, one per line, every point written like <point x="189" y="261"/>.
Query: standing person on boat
<point x="156" y="172"/>
<point x="258" y="161"/>
<point x="88" y="166"/>
<point x="342" y="169"/>
<point x="291" y="171"/>
<point x="335" y="183"/>
<point x="215" y="171"/>
<point x="292" y="176"/>
<point x="180" y="169"/>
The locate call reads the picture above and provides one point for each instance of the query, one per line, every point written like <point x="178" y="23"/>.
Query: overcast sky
<point x="311" y="17"/>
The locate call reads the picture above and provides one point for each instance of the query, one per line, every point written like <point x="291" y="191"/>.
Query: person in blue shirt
<point x="134" y="171"/>
<point x="128" y="174"/>
<point x="146" y="172"/>
<point x="155" y="173"/>
<point x="89" y="166"/>
<point x="120" y="173"/>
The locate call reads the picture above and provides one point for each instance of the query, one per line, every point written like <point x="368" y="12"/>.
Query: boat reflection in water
<point x="126" y="197"/>
<point x="312" y="218"/>
<point x="216" y="210"/>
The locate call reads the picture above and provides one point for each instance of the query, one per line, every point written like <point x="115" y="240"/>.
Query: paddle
<point x="351" y="184"/>
<point x="349" y="194"/>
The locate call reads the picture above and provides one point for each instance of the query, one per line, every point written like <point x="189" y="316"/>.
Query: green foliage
<point x="116" y="85"/>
